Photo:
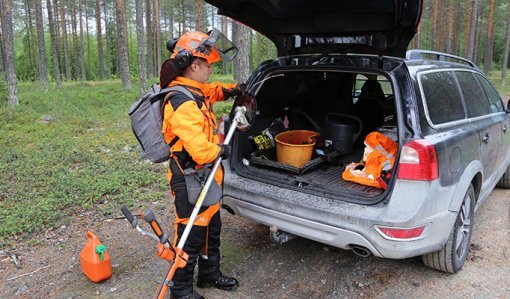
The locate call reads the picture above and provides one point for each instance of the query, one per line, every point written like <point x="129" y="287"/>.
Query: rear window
<point x="442" y="97"/>
<point x="496" y="105"/>
<point x="474" y="96"/>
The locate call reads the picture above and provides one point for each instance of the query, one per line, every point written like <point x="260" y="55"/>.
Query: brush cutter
<point x="177" y="257"/>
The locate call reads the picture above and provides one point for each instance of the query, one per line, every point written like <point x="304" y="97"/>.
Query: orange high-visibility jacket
<point x="379" y="156"/>
<point x="197" y="130"/>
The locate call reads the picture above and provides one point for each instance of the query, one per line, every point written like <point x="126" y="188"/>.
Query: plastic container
<point x="295" y="147"/>
<point x="342" y="131"/>
<point x="95" y="260"/>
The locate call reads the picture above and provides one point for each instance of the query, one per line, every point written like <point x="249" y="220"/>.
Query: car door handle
<point x="504" y="128"/>
<point x="485" y="139"/>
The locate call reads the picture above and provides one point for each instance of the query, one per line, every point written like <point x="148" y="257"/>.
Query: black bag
<point x="195" y="181"/>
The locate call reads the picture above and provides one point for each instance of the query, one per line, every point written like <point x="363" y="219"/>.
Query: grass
<point x="85" y="157"/>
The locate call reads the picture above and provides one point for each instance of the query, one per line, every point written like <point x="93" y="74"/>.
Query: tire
<point x="452" y="256"/>
<point x="504" y="181"/>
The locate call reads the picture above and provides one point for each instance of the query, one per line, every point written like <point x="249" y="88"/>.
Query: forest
<point x="54" y="41"/>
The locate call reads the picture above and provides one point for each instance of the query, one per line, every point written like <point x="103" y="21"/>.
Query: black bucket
<point x="342" y="131"/>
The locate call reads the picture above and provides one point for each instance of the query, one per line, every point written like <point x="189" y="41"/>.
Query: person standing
<point x="189" y="126"/>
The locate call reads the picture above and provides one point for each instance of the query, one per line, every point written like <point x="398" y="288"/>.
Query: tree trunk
<point x="183" y="19"/>
<point x="259" y="48"/>
<point x="449" y="39"/>
<point x="107" y="58"/>
<point x="99" y="40"/>
<point x="74" y="31"/>
<point x="224" y="29"/>
<point x="455" y="25"/>
<point x="440" y="22"/>
<point x="242" y="61"/>
<point x="2" y="58"/>
<point x="142" y="70"/>
<point x="417" y="37"/>
<point x="64" y="40"/>
<point x="487" y="61"/>
<point x="60" y="52"/>
<point x="171" y="16"/>
<point x="30" y="39"/>
<point x="478" y="37"/>
<point x="213" y="16"/>
<point x="472" y="30"/>
<point x="82" y="42"/>
<point x="157" y="37"/>
<point x="200" y="25"/>
<point x="504" y="66"/>
<point x="148" y="29"/>
<point x="56" y="67"/>
<point x="467" y="30"/>
<point x="123" y="53"/>
<point x="6" y="19"/>
<point x="434" y="35"/>
<point x="41" y="47"/>
<point x="88" y="36"/>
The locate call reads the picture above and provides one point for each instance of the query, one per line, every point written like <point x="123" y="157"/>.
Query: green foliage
<point x="84" y="157"/>
<point x="3" y="89"/>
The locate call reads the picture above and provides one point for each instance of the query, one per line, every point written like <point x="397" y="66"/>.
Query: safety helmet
<point x="193" y="43"/>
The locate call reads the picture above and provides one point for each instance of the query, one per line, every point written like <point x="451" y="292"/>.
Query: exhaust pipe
<point x="361" y="251"/>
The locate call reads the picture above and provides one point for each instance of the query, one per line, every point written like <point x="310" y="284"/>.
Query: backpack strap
<point x="167" y="91"/>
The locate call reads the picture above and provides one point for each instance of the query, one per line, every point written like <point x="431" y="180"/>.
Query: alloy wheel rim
<point x="464" y="229"/>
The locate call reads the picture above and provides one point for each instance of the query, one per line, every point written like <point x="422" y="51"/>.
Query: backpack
<point x="147" y="121"/>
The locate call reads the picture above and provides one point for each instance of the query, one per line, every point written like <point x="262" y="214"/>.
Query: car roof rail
<point x="418" y="54"/>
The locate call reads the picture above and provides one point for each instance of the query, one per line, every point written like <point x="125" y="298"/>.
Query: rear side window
<point x="496" y="105"/>
<point x="474" y="96"/>
<point x="442" y="97"/>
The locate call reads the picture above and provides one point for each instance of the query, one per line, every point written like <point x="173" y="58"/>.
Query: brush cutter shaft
<point x="237" y="119"/>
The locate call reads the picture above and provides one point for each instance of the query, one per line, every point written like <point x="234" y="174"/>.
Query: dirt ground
<point x="299" y="268"/>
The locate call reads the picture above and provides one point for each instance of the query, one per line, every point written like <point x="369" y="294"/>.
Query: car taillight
<point x="400" y="233"/>
<point x="221" y="127"/>
<point x="418" y="161"/>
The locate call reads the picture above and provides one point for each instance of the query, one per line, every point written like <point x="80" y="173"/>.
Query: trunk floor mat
<point x="330" y="178"/>
<point x="323" y="177"/>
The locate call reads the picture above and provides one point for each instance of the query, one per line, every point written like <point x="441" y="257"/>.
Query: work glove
<point x="225" y="151"/>
<point x="165" y="253"/>
<point x="240" y="89"/>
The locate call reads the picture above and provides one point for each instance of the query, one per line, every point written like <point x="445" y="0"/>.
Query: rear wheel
<point x="504" y="182"/>
<point x="452" y="256"/>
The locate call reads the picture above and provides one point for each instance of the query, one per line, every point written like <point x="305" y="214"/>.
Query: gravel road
<point x="299" y="268"/>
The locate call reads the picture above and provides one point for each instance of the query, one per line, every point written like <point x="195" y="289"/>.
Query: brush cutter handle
<point x="151" y="219"/>
<point x="128" y="216"/>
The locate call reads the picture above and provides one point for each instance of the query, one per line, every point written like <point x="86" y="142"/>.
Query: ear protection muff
<point x="183" y="59"/>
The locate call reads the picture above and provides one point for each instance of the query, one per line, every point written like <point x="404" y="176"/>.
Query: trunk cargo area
<point x="329" y="102"/>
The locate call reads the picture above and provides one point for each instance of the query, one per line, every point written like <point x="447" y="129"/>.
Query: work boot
<point x="193" y="295"/>
<point x="221" y="282"/>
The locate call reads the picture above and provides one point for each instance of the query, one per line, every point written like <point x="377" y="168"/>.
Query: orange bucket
<point x="295" y="147"/>
<point x="95" y="260"/>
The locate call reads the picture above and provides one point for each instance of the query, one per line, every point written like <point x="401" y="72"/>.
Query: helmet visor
<point x="222" y="44"/>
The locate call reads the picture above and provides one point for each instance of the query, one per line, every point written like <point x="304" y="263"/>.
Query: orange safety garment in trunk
<point x="379" y="156"/>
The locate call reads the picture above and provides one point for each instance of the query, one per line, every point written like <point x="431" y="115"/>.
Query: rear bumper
<point x="330" y="235"/>
<point x="343" y="224"/>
